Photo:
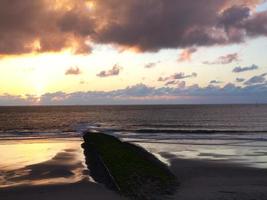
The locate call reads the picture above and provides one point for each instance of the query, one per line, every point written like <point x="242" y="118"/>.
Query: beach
<point x="55" y="170"/>
<point x="211" y="158"/>
<point x="202" y="180"/>
<point x="80" y="190"/>
<point x="219" y="182"/>
<point x="67" y="177"/>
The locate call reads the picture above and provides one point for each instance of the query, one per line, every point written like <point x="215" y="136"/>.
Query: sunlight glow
<point x="90" y="5"/>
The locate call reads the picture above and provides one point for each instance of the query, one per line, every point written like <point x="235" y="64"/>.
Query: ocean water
<point x="156" y="122"/>
<point x="236" y="133"/>
<point x="214" y="118"/>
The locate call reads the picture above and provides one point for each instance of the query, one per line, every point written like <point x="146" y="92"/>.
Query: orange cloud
<point x="54" y="25"/>
<point x="186" y="55"/>
<point x="44" y="25"/>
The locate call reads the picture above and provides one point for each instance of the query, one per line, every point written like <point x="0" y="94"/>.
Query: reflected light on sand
<point x="41" y="162"/>
<point x="17" y="155"/>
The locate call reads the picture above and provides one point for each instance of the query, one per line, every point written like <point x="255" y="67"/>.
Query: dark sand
<point x="199" y="180"/>
<point x="210" y="180"/>
<point x="75" y="191"/>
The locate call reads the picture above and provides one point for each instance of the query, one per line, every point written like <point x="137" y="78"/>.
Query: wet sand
<point x="78" y="191"/>
<point x="41" y="162"/>
<point x="210" y="180"/>
<point x="47" y="170"/>
<point x="60" y="174"/>
<point x="199" y="180"/>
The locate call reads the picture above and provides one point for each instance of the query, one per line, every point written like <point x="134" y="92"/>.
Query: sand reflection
<point x="42" y="162"/>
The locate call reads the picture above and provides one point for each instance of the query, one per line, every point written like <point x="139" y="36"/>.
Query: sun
<point x="39" y="80"/>
<point x="90" y="5"/>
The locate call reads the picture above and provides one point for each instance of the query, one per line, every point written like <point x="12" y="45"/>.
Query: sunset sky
<point x="78" y="52"/>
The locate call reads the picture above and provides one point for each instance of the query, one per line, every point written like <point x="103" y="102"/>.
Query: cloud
<point x="151" y="65"/>
<point x="172" y="82"/>
<point x="112" y="72"/>
<point x="73" y="71"/>
<point x="175" y="83"/>
<point x="143" y="94"/>
<point x="215" y="82"/>
<point x="223" y="60"/>
<point x="234" y="16"/>
<point x="160" y="24"/>
<point x="245" y="69"/>
<point x="46" y="25"/>
<point x="186" y="54"/>
<point x="256" y="79"/>
<point x="240" y="80"/>
<point x="13" y="100"/>
<point x="178" y="76"/>
<point x="241" y="22"/>
<point x="153" y="25"/>
<point x="256" y="25"/>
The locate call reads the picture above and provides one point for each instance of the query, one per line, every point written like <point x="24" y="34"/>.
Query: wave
<point x="197" y="131"/>
<point x="75" y="132"/>
<point x="134" y="132"/>
<point x="25" y="135"/>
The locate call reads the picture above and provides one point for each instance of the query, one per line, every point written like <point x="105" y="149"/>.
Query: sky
<point x="88" y="52"/>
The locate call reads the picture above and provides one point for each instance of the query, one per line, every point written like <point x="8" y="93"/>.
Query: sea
<point x="221" y="133"/>
<point x="155" y="122"/>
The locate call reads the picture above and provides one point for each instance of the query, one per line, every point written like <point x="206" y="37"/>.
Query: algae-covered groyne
<point x="127" y="168"/>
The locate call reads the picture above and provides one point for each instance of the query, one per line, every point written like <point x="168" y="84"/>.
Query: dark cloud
<point x="44" y="25"/>
<point x="256" y="25"/>
<point x="223" y="60"/>
<point x="245" y="69"/>
<point x="74" y="22"/>
<point x="176" y="83"/>
<point x="178" y="76"/>
<point x="140" y="94"/>
<point x="47" y="25"/>
<point x="186" y="54"/>
<point x="242" y="22"/>
<point x="73" y="71"/>
<point x="234" y="16"/>
<point x="256" y="79"/>
<point x="157" y="24"/>
<point x="183" y="76"/>
<point x="181" y="84"/>
<point x="240" y="80"/>
<point x="172" y="82"/>
<point x="112" y="72"/>
<point x="215" y="82"/>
